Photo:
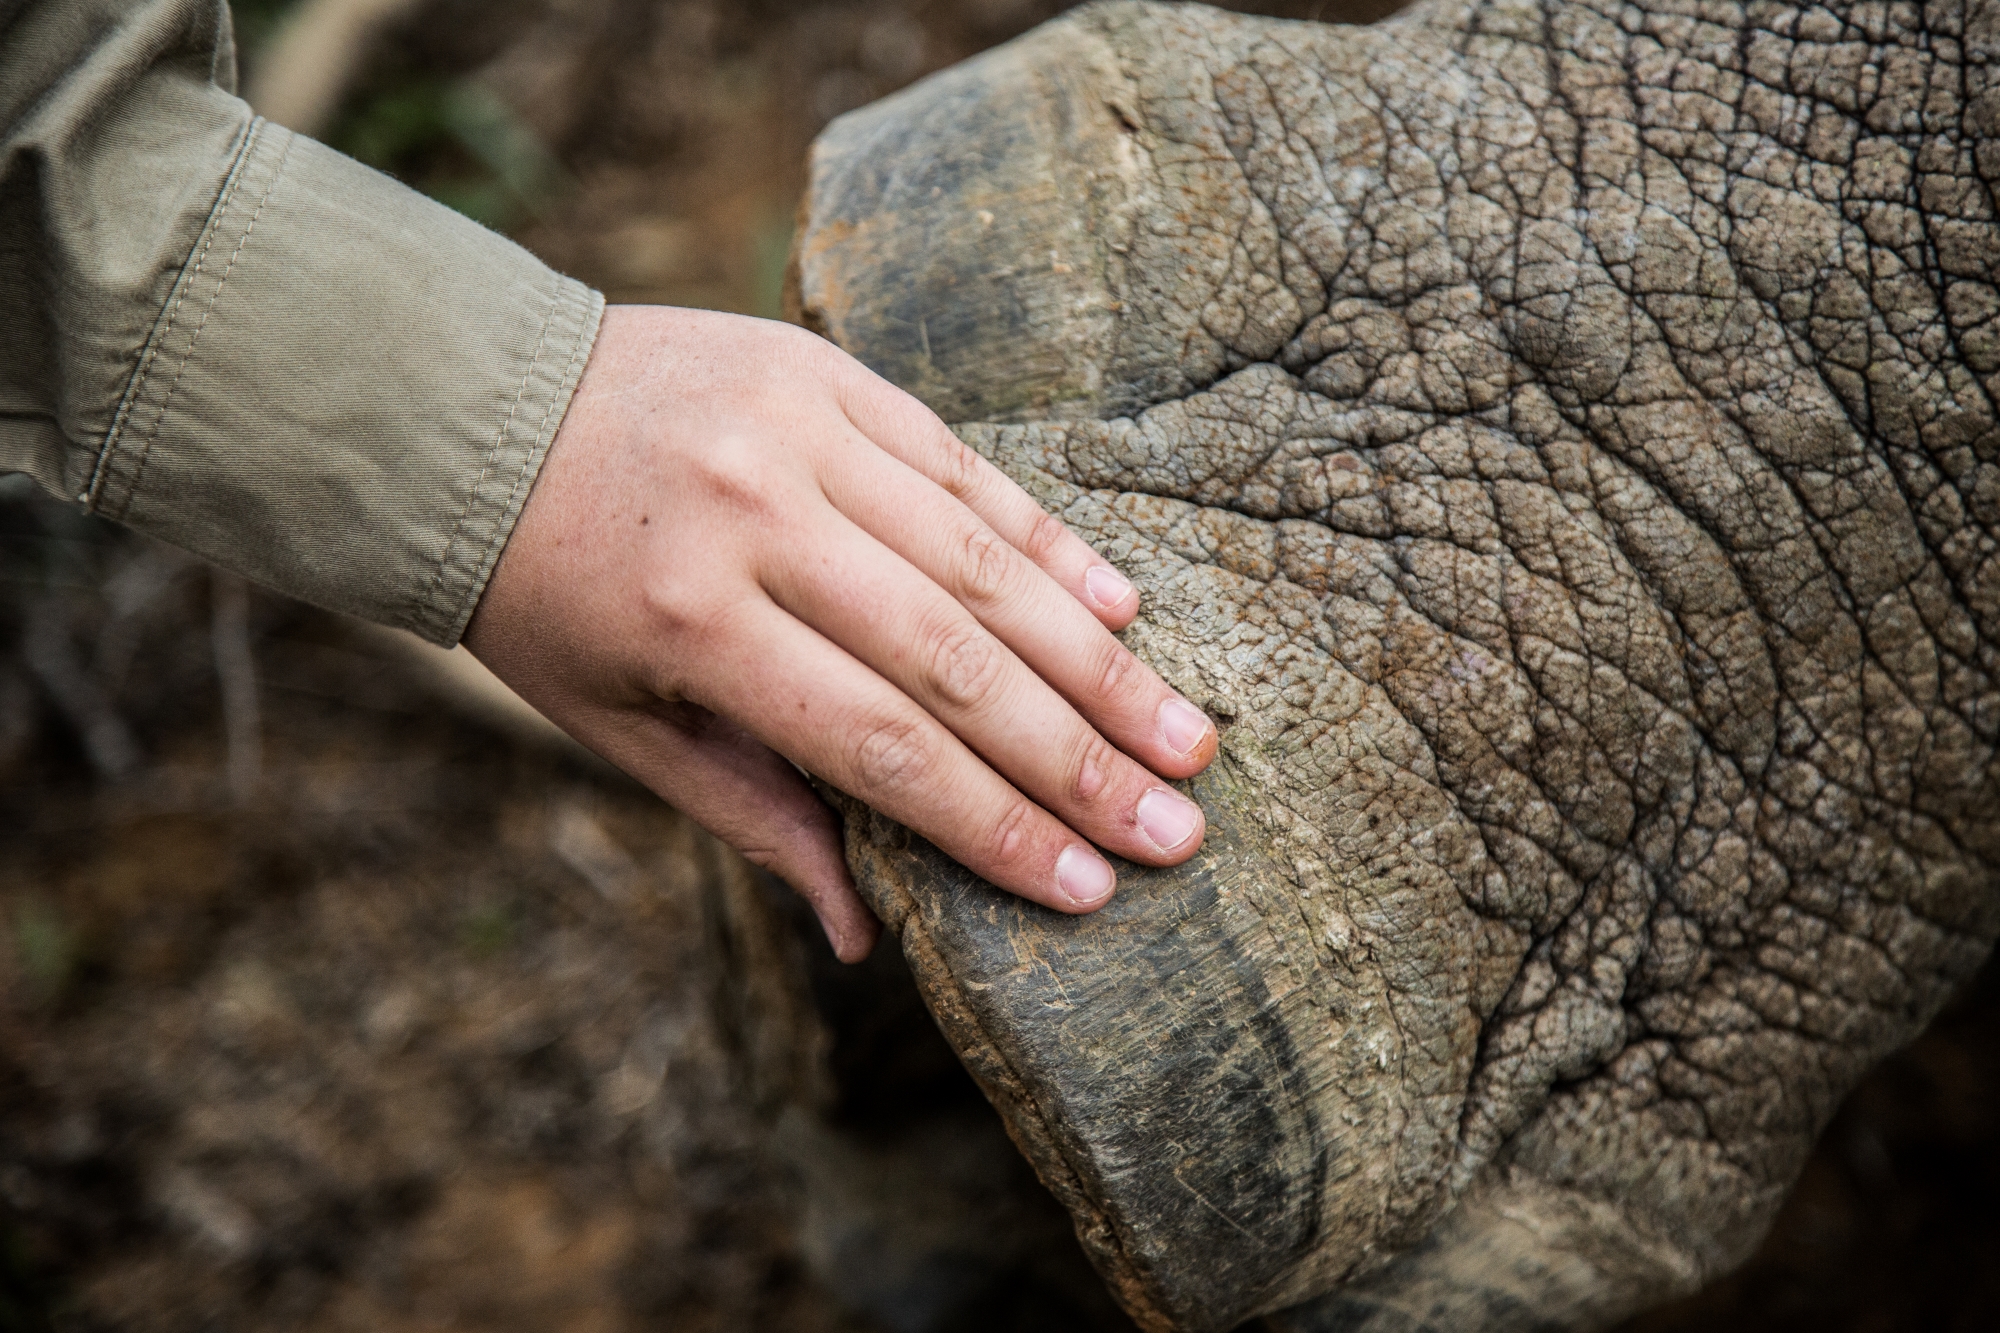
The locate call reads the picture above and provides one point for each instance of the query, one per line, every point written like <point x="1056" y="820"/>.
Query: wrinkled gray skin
<point x="1559" y="439"/>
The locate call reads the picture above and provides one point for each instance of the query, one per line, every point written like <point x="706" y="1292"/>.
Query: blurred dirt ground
<point x="325" y="1005"/>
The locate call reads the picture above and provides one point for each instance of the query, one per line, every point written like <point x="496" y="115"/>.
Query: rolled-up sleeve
<point x="242" y="342"/>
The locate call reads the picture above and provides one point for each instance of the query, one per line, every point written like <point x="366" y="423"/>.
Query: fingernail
<point x="1169" y="818"/>
<point x="1085" y="876"/>
<point x="1106" y="586"/>
<point x="1183" y="725"/>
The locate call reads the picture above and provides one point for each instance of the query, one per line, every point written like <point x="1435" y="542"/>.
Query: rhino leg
<point x="1558" y="441"/>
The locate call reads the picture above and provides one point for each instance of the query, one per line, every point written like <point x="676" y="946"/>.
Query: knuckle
<point x="987" y="567"/>
<point x="1095" y="770"/>
<point x="757" y="854"/>
<point x="681" y="634"/>
<point x="853" y="385"/>
<point x="1118" y="669"/>
<point x="962" y="663"/>
<point x="802" y="342"/>
<point x="1013" y="832"/>
<point x="689" y="722"/>
<point x="793" y="347"/>
<point x="730" y="474"/>
<point x="1045" y="537"/>
<point x="675" y="617"/>
<point x="891" y="754"/>
<point x="959" y="470"/>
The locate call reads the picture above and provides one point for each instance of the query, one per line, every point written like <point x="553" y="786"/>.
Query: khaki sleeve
<point x="244" y="343"/>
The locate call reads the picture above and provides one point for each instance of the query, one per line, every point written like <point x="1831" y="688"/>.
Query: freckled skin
<point x="1560" y="438"/>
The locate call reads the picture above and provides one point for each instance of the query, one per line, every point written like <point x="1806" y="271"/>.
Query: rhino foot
<point x="1558" y="442"/>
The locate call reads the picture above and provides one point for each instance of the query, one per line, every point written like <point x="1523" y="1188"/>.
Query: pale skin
<point x="746" y="553"/>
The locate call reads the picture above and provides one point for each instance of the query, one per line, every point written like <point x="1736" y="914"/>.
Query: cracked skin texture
<point x="1558" y="440"/>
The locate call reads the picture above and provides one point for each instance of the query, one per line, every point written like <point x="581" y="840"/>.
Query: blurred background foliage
<point x="330" y="1000"/>
<point x="651" y="147"/>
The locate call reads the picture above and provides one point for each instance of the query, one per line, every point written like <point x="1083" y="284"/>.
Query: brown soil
<point x="400" y="1025"/>
<point x="332" y="1009"/>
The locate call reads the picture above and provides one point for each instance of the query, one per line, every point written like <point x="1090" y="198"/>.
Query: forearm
<point x="248" y="345"/>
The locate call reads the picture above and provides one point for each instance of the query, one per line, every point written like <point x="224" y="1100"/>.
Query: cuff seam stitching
<point x="187" y="355"/>
<point x="577" y="348"/>
<point x="432" y="593"/>
<point x="142" y="372"/>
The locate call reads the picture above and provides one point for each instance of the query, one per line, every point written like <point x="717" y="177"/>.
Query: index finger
<point x="910" y="432"/>
<point x="1124" y="699"/>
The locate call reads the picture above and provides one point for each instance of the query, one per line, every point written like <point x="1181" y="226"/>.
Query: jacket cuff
<point x="349" y="393"/>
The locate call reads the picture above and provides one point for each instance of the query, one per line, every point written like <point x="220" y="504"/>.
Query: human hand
<point x="745" y="548"/>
